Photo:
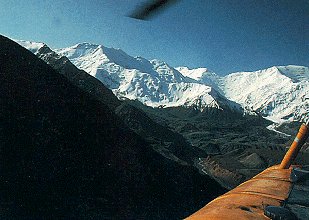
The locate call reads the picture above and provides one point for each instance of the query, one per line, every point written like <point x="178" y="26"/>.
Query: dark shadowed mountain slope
<point x="64" y="154"/>
<point x="168" y="143"/>
<point x="78" y="77"/>
<point x="163" y="140"/>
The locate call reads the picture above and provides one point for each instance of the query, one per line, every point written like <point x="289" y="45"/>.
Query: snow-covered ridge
<point x="295" y="73"/>
<point x="32" y="46"/>
<point x="153" y="82"/>
<point x="279" y="93"/>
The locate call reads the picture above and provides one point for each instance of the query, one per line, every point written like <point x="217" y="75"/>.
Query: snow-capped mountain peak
<point x="80" y="49"/>
<point x="32" y="46"/>
<point x="153" y="82"/>
<point x="278" y="93"/>
<point x="203" y="76"/>
<point x="196" y="74"/>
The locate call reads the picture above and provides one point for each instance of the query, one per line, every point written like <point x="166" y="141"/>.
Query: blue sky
<point x="222" y="35"/>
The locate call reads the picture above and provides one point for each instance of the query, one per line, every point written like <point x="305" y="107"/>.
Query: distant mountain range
<point x="279" y="93"/>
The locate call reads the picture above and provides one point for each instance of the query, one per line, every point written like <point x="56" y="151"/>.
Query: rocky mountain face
<point x="217" y="139"/>
<point x="66" y="154"/>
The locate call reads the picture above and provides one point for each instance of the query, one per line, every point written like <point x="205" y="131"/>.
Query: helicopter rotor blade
<point x="150" y="8"/>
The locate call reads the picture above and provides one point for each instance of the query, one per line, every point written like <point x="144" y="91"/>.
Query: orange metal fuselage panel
<point x="248" y="200"/>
